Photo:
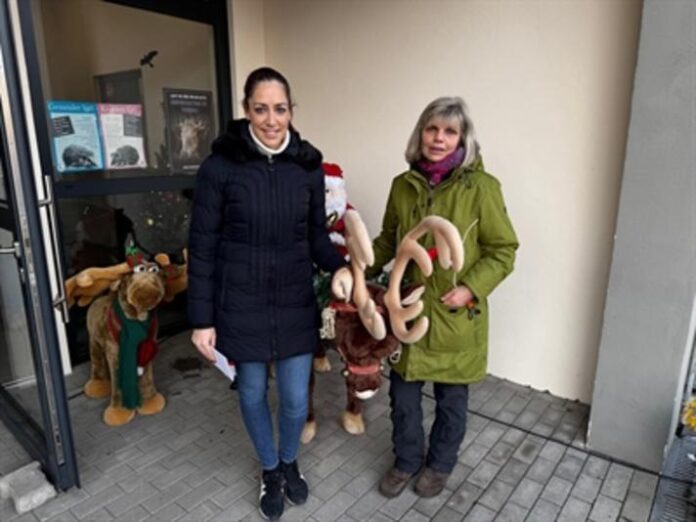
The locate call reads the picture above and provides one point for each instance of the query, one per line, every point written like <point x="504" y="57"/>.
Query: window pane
<point x="96" y="231"/>
<point x="156" y="71"/>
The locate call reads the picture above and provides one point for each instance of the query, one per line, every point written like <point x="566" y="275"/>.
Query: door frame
<point x="52" y="444"/>
<point x="31" y="172"/>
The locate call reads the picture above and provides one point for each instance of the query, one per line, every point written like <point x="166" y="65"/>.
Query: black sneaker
<point x="272" y="495"/>
<point x="296" y="488"/>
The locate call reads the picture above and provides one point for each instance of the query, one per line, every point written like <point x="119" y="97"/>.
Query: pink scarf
<point x="439" y="170"/>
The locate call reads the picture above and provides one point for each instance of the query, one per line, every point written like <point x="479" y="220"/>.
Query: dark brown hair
<point x="264" y="74"/>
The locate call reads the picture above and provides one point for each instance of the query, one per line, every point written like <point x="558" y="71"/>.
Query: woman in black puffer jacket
<point x="257" y="229"/>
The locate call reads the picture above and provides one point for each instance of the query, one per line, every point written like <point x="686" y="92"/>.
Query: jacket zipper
<point x="272" y="282"/>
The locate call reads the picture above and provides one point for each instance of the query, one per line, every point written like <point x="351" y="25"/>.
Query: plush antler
<point x="86" y="285"/>
<point x="176" y="275"/>
<point x="361" y="256"/>
<point x="90" y="282"/>
<point x="450" y="254"/>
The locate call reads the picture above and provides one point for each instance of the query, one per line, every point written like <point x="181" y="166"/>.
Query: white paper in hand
<point x="222" y="364"/>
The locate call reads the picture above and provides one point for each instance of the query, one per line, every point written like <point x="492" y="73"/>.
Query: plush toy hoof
<point x="97" y="388"/>
<point x="117" y="416"/>
<point x="308" y="432"/>
<point x="353" y="423"/>
<point x="322" y="364"/>
<point x="154" y="404"/>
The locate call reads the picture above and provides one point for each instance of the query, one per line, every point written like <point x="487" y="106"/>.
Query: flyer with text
<point x="75" y="139"/>
<point x="122" y="133"/>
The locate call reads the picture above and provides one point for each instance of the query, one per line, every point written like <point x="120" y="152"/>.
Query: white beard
<point x="336" y="198"/>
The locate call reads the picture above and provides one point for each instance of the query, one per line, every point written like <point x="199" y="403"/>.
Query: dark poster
<point x="190" y="128"/>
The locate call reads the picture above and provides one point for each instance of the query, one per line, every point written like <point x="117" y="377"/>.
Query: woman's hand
<point x="342" y="284"/>
<point x="204" y="341"/>
<point x="457" y="297"/>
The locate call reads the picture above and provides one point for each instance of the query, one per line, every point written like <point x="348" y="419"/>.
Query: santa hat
<point x="331" y="169"/>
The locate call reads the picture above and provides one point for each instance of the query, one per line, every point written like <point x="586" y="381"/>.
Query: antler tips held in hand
<point x="450" y="250"/>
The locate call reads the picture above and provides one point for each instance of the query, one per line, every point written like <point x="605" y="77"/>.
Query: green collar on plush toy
<point x="132" y="333"/>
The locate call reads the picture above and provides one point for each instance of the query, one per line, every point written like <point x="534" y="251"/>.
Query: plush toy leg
<point x="322" y="364"/>
<point x="97" y="388"/>
<point x="117" y="416"/>
<point x="99" y="384"/>
<point x="153" y="402"/>
<point x="309" y="432"/>
<point x="352" y="418"/>
<point x="310" y="428"/>
<point x="353" y="423"/>
<point x="321" y="361"/>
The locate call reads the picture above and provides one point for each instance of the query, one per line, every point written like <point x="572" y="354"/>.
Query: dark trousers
<point x="447" y="431"/>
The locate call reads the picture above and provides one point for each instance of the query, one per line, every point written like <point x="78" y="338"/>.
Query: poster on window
<point x="75" y="137"/>
<point x="122" y="135"/>
<point x="190" y="128"/>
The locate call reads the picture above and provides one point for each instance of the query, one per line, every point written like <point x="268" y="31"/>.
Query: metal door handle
<point x="14" y="250"/>
<point x="61" y="299"/>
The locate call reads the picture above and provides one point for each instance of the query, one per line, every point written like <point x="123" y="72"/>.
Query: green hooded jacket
<point x="455" y="348"/>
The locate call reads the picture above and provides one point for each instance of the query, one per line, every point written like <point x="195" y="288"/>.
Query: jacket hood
<point x="237" y="145"/>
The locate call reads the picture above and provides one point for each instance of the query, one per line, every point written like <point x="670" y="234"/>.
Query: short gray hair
<point x="447" y="108"/>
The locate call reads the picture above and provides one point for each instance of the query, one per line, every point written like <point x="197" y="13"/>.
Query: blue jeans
<point x="292" y="380"/>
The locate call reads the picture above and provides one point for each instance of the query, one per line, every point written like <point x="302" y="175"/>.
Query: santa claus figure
<point x="336" y="203"/>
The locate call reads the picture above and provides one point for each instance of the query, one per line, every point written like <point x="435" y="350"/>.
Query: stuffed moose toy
<point x="122" y="328"/>
<point x="376" y="322"/>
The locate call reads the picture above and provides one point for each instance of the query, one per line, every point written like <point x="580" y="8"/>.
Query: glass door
<point x="32" y="395"/>
<point x="126" y="104"/>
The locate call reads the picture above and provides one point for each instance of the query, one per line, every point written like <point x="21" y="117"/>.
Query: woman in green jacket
<point x="446" y="178"/>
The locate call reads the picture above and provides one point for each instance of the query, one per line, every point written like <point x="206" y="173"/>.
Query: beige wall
<point x="247" y="45"/>
<point x="549" y="86"/>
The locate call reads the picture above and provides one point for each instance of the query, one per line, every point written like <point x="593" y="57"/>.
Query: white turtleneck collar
<point x="267" y="151"/>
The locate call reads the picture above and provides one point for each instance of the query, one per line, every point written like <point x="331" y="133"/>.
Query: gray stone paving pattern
<point x="194" y="462"/>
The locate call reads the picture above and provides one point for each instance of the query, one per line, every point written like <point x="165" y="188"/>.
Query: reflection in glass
<point x="96" y="232"/>
<point x="17" y="375"/>
<point x="125" y="55"/>
<point x="3" y="181"/>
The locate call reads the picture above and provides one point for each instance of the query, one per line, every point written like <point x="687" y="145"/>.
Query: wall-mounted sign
<point x="122" y="134"/>
<point x="75" y="136"/>
<point x="190" y="128"/>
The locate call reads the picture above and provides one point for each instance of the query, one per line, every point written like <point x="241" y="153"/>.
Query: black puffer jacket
<point x="257" y="227"/>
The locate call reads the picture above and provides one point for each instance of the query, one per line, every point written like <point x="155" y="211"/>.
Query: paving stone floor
<point x="522" y="459"/>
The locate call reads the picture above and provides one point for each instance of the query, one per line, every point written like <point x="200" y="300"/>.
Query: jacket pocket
<point x="451" y="330"/>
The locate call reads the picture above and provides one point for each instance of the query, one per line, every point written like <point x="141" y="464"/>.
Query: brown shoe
<point x="394" y="482"/>
<point x="430" y="483"/>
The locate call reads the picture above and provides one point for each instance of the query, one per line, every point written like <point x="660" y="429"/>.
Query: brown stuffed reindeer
<point x="360" y="328"/>
<point x="122" y="329"/>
